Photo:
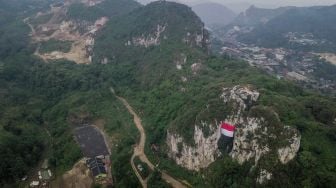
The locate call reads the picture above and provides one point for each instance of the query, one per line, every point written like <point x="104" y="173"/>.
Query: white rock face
<point x="91" y="3"/>
<point x="180" y="61"/>
<point x="288" y="153"/>
<point x="150" y="40"/>
<point x="251" y="138"/>
<point x="195" y="67"/>
<point x="264" y="175"/>
<point x="246" y="148"/>
<point x="242" y="96"/>
<point x="199" y="38"/>
<point x="104" y="61"/>
<point x="89" y="41"/>
<point x="195" y="157"/>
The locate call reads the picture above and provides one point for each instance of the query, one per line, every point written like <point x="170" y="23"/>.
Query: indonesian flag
<point x="227" y="129"/>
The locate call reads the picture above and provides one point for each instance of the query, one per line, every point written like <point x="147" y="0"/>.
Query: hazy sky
<point x="260" y="3"/>
<point x="274" y="2"/>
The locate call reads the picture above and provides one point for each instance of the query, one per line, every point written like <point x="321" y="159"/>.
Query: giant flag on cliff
<point x="227" y="129"/>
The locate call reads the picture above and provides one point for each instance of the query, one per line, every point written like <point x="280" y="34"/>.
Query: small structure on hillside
<point x="45" y="173"/>
<point x="97" y="167"/>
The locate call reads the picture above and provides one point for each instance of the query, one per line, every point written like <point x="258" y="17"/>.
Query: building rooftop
<point x="96" y="166"/>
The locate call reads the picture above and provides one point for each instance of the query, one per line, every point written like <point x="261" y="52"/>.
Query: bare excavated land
<point x="331" y="58"/>
<point x="58" y="27"/>
<point x="78" y="177"/>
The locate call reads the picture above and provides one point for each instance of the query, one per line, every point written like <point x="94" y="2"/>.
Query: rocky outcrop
<point x="199" y="39"/>
<point x="151" y="39"/>
<point x="194" y="157"/>
<point x="288" y="153"/>
<point x="180" y="60"/>
<point x="264" y="175"/>
<point x="245" y="146"/>
<point x="243" y="97"/>
<point x="196" y="67"/>
<point x="254" y="135"/>
<point x="259" y="133"/>
<point x="91" y="3"/>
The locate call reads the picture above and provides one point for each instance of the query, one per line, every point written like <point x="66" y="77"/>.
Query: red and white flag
<point x="227" y="129"/>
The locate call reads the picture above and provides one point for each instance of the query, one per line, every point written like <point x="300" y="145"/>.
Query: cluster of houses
<point x="96" y="153"/>
<point x="303" y="38"/>
<point x="281" y="62"/>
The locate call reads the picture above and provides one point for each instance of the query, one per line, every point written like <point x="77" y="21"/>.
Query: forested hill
<point x="254" y="16"/>
<point x="150" y="39"/>
<point x="157" y="57"/>
<point x="159" y="61"/>
<point x="12" y="29"/>
<point x="279" y="30"/>
<point x="109" y="8"/>
<point x="38" y="100"/>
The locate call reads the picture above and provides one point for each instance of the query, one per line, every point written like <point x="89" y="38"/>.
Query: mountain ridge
<point x="178" y="87"/>
<point x="157" y="57"/>
<point x="296" y="21"/>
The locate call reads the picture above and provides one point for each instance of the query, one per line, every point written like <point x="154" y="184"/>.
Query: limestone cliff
<point x="150" y="40"/>
<point x="259" y="133"/>
<point x="204" y="152"/>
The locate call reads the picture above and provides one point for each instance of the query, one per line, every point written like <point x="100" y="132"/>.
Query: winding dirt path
<point x="139" y="150"/>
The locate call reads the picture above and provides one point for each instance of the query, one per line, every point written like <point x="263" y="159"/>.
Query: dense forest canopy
<point x="38" y="99"/>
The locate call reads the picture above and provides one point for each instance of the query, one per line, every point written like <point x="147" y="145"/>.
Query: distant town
<point x="283" y="63"/>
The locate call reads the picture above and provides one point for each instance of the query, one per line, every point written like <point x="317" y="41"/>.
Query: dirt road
<point x="139" y="150"/>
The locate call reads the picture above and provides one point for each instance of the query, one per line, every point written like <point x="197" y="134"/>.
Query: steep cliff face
<point x="259" y="134"/>
<point x="195" y="157"/>
<point x="255" y="138"/>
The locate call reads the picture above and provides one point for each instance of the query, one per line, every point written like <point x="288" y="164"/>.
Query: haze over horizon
<point x="239" y="5"/>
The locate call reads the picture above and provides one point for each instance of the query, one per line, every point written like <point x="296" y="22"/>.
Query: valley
<point x="303" y="57"/>
<point x="305" y="68"/>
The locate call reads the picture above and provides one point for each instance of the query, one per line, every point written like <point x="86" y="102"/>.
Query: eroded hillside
<point x="63" y="34"/>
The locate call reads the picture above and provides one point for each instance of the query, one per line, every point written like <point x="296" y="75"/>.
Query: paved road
<point x="139" y="150"/>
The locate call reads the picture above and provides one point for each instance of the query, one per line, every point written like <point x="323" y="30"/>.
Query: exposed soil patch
<point x="78" y="177"/>
<point x="328" y="57"/>
<point x="60" y="29"/>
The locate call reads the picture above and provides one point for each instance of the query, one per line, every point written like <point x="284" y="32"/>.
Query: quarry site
<point x="54" y="25"/>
